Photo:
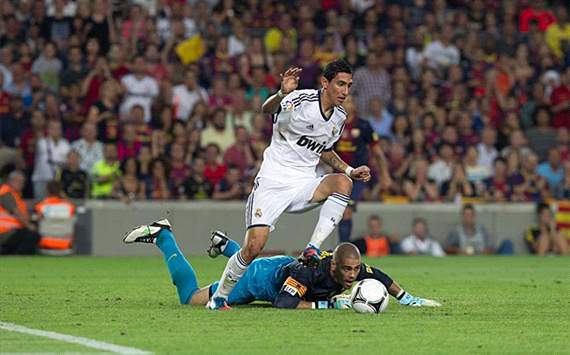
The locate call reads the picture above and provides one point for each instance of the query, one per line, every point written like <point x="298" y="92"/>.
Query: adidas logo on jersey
<point x="310" y="144"/>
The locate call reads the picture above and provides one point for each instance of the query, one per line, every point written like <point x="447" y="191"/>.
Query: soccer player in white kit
<point x="306" y="125"/>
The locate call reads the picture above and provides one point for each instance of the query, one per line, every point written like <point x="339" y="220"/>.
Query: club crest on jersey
<point x="334" y="131"/>
<point x="288" y="106"/>
<point x="310" y="144"/>
<point x="258" y="213"/>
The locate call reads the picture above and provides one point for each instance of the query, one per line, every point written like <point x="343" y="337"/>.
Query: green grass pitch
<point x="490" y="305"/>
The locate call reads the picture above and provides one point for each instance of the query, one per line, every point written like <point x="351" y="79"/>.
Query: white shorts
<point x="270" y="198"/>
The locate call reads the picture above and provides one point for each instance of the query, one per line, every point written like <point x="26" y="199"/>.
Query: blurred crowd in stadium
<point x="160" y="99"/>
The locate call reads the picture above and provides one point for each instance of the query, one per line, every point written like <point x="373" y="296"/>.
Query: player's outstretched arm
<point x="331" y="158"/>
<point x="289" y="82"/>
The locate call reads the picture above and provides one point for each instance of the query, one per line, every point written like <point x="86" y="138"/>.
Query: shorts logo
<point x="258" y="213"/>
<point x="311" y="127"/>
<point x="334" y="131"/>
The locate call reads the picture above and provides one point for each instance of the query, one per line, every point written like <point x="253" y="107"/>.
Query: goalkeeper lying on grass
<point x="281" y="280"/>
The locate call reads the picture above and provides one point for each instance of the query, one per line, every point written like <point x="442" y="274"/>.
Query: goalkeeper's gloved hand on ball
<point x="340" y="302"/>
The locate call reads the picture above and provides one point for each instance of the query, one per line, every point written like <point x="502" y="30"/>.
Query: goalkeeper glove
<point x="340" y="302"/>
<point x="413" y="301"/>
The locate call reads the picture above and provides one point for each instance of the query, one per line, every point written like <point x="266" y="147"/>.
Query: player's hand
<point x="340" y="302"/>
<point x="361" y="173"/>
<point x="290" y="80"/>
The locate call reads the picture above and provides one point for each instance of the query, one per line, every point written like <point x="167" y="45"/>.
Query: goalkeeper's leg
<point x="255" y="240"/>
<point x="181" y="272"/>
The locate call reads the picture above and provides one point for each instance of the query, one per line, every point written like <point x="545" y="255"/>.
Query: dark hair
<point x="53" y="188"/>
<point x="468" y="206"/>
<point x="500" y="159"/>
<point x="335" y="67"/>
<point x="540" y="109"/>
<point x="375" y="217"/>
<point x="541" y="206"/>
<point x="418" y="220"/>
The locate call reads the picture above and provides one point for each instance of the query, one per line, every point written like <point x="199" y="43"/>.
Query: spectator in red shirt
<point x="215" y="169"/>
<point x="4" y="98"/>
<point x="128" y="147"/>
<point x="563" y="143"/>
<point x="560" y="100"/>
<point x="179" y="169"/>
<point x="536" y="12"/>
<point x="240" y="154"/>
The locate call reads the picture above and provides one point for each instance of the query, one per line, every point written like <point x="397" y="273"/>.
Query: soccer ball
<point x="369" y="296"/>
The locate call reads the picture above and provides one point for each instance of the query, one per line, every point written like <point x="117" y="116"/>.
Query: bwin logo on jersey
<point x="310" y="144"/>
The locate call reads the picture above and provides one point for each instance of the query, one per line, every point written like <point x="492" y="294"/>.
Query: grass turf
<point x="491" y="305"/>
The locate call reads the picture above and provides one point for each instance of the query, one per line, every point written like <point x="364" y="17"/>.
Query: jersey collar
<point x="321" y="108"/>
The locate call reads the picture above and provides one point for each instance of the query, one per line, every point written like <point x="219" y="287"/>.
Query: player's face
<point x="338" y="88"/>
<point x="346" y="271"/>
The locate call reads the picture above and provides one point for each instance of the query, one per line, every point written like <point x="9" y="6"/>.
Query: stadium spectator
<point x="419" y="242"/>
<point x="441" y="53"/>
<point x="74" y="180"/>
<point x="369" y="81"/>
<point x="376" y="242"/>
<point x="457" y="186"/>
<point x="156" y="186"/>
<point x="240" y="154"/>
<point x="441" y="170"/>
<point x="472" y="238"/>
<point x="557" y="35"/>
<point x="379" y="117"/>
<point x="418" y="187"/>
<point x="179" y="169"/>
<point x="560" y="97"/>
<point x="566" y="183"/>
<point x="128" y="187"/>
<point x="140" y="89"/>
<point x="89" y="148"/>
<point x="128" y="146"/>
<point x="544" y="237"/>
<point x="487" y="151"/>
<point x="197" y="187"/>
<point x="220" y="131"/>
<point x="51" y="155"/>
<point x="542" y="137"/>
<point x="553" y="172"/>
<point x="105" y="173"/>
<point x="230" y="187"/>
<point x="498" y="187"/>
<point x="186" y="95"/>
<point x="17" y="234"/>
<point x="48" y="66"/>
<point x="563" y="143"/>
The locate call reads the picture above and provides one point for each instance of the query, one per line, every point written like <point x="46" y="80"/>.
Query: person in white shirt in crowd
<point x="89" y="148"/>
<point x="487" y="151"/>
<point x="140" y="89"/>
<point x="441" y="53"/>
<point x="440" y="170"/>
<point x="51" y="155"/>
<point x="185" y="96"/>
<point x="419" y="242"/>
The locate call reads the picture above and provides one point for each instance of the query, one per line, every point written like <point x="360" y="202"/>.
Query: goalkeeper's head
<point x="345" y="264"/>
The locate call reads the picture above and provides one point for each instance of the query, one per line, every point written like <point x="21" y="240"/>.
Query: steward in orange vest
<point x="17" y="233"/>
<point x="60" y="210"/>
<point x="375" y="243"/>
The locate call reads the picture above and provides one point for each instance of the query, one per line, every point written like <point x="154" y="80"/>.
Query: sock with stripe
<point x="329" y="216"/>
<point x="235" y="268"/>
<point x="181" y="272"/>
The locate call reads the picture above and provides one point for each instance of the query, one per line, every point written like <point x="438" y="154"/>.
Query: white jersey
<point x="301" y="132"/>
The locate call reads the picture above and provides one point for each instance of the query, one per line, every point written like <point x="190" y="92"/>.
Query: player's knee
<point x="250" y="251"/>
<point x="343" y="184"/>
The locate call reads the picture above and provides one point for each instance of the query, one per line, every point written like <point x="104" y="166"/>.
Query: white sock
<point x="235" y="268"/>
<point x="330" y="215"/>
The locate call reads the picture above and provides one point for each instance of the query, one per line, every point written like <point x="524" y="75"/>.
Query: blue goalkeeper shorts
<point x="261" y="282"/>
